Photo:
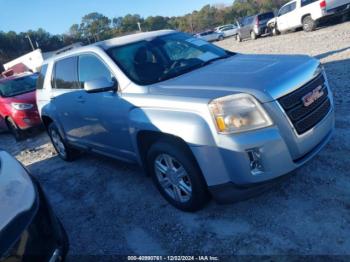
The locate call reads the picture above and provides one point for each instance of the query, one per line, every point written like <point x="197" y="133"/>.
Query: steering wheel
<point x="174" y="65"/>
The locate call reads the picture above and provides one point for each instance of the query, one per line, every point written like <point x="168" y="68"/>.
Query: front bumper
<point x="26" y="119"/>
<point x="227" y="168"/>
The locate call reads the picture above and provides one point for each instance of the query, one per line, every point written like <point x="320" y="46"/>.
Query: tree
<point x="95" y="26"/>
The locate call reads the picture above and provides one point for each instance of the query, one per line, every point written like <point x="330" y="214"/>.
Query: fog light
<point x="27" y="120"/>
<point x="256" y="166"/>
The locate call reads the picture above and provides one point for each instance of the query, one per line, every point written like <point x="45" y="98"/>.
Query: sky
<point x="56" y="16"/>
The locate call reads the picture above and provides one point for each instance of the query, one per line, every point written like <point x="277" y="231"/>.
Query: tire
<point x="238" y="38"/>
<point x="14" y="129"/>
<point x="253" y="36"/>
<point x="220" y="38"/>
<point x="275" y="31"/>
<point x="308" y="24"/>
<point x="63" y="150"/>
<point x="182" y="185"/>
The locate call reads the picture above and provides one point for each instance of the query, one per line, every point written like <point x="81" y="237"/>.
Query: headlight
<point x="21" y="106"/>
<point x="238" y="113"/>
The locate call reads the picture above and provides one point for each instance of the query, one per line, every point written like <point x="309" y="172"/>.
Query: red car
<point x="18" y="110"/>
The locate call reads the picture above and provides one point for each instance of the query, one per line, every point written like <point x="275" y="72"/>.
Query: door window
<point x="92" y="68"/>
<point x="41" y="78"/>
<point x="288" y="8"/>
<point x="65" y="74"/>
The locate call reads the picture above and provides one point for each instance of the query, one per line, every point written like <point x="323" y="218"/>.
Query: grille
<point x="304" y="118"/>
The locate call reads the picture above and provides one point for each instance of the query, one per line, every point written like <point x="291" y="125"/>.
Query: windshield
<point x="164" y="57"/>
<point x="18" y="86"/>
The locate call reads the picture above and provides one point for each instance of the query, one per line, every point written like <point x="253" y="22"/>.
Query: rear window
<point x="41" y="78"/>
<point x="266" y="16"/>
<point x="307" y="2"/>
<point x="18" y="86"/>
<point x="66" y="75"/>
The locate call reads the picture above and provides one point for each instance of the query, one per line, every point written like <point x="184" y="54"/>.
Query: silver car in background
<point x="203" y="121"/>
<point x="210" y="36"/>
<point x="227" y="30"/>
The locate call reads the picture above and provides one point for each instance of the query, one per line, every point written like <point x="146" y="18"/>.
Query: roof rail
<point x="68" y="48"/>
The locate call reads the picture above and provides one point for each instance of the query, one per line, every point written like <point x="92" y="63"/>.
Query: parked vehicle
<point x="29" y="230"/>
<point x="210" y="36"/>
<point x="203" y="121"/>
<point x="227" y="30"/>
<point x="306" y="14"/>
<point x="18" y="103"/>
<point x="254" y="26"/>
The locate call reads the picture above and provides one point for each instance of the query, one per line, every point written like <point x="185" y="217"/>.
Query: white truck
<point x="306" y="14"/>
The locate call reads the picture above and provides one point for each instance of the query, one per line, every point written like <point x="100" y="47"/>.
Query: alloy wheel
<point x="173" y="178"/>
<point x="58" y="143"/>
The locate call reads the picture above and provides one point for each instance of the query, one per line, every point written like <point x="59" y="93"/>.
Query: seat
<point x="147" y="71"/>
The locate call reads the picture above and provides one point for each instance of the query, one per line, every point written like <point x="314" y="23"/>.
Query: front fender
<point x="189" y="126"/>
<point x="49" y="111"/>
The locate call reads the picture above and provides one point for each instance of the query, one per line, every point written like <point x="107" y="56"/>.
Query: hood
<point x="267" y="77"/>
<point x="29" y="98"/>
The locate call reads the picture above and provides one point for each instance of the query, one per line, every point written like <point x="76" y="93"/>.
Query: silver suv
<point x="204" y="122"/>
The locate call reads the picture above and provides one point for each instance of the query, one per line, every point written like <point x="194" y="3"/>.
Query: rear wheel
<point x="14" y="129"/>
<point x="63" y="150"/>
<point x="221" y="38"/>
<point x="253" y="36"/>
<point x="176" y="176"/>
<point x="308" y="24"/>
<point x="238" y="38"/>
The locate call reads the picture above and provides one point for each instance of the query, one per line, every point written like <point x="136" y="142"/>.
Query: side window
<point x="284" y="10"/>
<point x="292" y="6"/>
<point x="41" y="78"/>
<point x="65" y="76"/>
<point x="249" y="20"/>
<point x="92" y="68"/>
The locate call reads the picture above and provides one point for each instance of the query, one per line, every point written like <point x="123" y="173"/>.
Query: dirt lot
<point x="109" y="207"/>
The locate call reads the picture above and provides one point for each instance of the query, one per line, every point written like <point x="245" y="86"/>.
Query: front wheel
<point x="238" y="38"/>
<point x="221" y="38"/>
<point x="177" y="177"/>
<point x="275" y="31"/>
<point x="63" y="150"/>
<point x="309" y="24"/>
<point x="14" y="129"/>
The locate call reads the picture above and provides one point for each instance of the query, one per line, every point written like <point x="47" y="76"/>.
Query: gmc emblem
<point x="311" y="97"/>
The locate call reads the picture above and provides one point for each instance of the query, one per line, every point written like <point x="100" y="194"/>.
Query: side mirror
<point x="100" y="85"/>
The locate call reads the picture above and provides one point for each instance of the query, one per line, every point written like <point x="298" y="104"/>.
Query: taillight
<point x="257" y="21"/>
<point x="323" y="4"/>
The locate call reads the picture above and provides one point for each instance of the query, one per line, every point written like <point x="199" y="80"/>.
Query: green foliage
<point x="96" y="27"/>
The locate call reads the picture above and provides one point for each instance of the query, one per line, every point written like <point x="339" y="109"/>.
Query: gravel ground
<point x="111" y="208"/>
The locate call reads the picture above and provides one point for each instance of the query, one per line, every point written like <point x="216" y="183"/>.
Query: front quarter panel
<point x="189" y="126"/>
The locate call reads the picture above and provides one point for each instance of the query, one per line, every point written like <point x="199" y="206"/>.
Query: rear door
<point x="66" y="97"/>
<point x="285" y="15"/>
<point x="247" y="26"/>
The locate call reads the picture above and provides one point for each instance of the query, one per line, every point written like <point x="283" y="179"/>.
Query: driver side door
<point x="104" y="115"/>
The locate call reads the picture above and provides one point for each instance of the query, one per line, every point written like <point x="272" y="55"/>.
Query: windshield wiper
<point x="199" y="65"/>
<point x="216" y="59"/>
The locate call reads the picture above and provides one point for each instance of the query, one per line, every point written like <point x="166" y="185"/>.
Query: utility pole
<point x="139" y="25"/>
<point x="30" y="41"/>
